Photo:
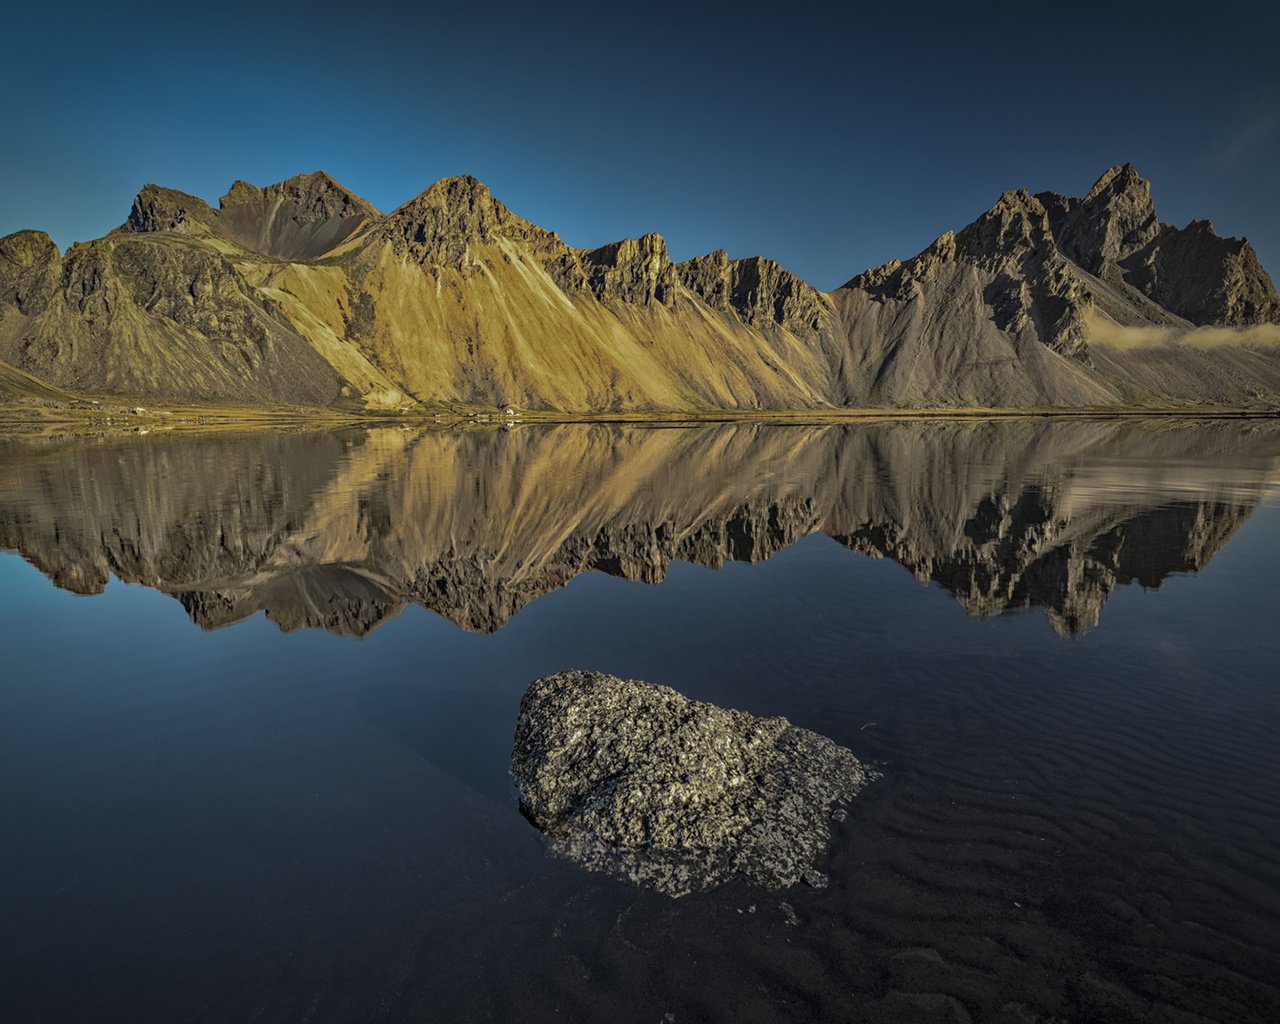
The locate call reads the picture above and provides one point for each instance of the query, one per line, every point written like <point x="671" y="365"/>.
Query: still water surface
<point x="261" y="774"/>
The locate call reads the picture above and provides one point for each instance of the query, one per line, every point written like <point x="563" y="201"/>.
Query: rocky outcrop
<point x="1206" y="279"/>
<point x="637" y="781"/>
<point x="757" y="290"/>
<point x="1115" y="220"/>
<point x="166" y="209"/>
<point x="30" y="268"/>
<point x="635" y="270"/>
<point x="444" y="225"/>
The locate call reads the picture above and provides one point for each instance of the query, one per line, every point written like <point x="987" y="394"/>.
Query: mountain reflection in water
<point x="344" y="530"/>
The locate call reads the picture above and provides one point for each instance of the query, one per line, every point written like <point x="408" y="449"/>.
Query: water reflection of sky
<point x="236" y="818"/>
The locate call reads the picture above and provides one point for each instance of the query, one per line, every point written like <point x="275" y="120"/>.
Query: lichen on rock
<point x="637" y="781"/>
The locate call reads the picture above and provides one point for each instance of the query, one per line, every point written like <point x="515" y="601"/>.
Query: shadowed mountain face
<point x="302" y="292"/>
<point x="1054" y="300"/>
<point x="343" y="530"/>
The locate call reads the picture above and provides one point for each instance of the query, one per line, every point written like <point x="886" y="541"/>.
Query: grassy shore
<point x="50" y="411"/>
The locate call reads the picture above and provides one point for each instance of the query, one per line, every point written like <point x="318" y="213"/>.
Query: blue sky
<point x="830" y="138"/>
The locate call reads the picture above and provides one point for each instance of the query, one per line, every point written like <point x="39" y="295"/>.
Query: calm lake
<point x="259" y="691"/>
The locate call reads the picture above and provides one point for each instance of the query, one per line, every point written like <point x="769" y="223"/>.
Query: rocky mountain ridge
<point x="302" y="292"/>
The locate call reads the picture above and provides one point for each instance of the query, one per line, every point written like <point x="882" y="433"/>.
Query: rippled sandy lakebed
<point x="212" y="814"/>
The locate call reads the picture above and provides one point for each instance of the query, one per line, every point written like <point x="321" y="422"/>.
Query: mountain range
<point x="303" y="293"/>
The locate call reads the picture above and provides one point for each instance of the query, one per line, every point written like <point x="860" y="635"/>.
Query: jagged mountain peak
<point x="309" y="184"/>
<point x="1122" y="178"/>
<point x="457" y="196"/>
<point x="156" y="208"/>
<point x="301" y="291"/>
<point x="439" y="225"/>
<point x="1116" y="219"/>
<point x="299" y="218"/>
<point x="1016" y="199"/>
<point x="1017" y="221"/>
<point x="459" y="185"/>
<point x="239" y="193"/>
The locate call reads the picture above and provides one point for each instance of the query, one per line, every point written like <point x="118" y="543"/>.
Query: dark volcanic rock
<point x="1115" y="220"/>
<point x="760" y="291"/>
<point x="637" y="781"/>
<point x="1207" y="279"/>
<point x="166" y="209"/>
<point x="296" y="219"/>
<point x="1192" y="272"/>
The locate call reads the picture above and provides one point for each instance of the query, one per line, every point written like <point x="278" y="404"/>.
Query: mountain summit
<point x="303" y="292"/>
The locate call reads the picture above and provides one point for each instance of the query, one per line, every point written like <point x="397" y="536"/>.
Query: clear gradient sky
<point x="829" y="137"/>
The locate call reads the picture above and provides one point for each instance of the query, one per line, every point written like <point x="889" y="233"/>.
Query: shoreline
<point x="89" y="417"/>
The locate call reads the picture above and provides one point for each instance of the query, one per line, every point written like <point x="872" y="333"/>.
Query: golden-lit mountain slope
<point x="304" y="293"/>
<point x="449" y="299"/>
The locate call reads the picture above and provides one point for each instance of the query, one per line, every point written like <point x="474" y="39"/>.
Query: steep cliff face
<point x="1195" y="274"/>
<point x="1191" y="272"/>
<point x="758" y="291"/>
<point x="635" y="270"/>
<point x="1116" y="219"/>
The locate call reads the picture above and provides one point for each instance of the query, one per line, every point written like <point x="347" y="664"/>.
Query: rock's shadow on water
<point x="639" y="782"/>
